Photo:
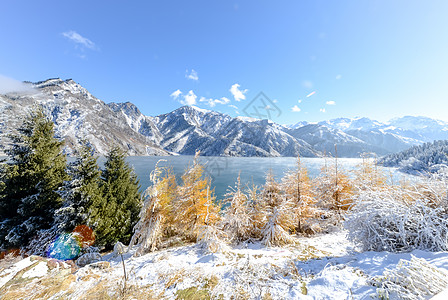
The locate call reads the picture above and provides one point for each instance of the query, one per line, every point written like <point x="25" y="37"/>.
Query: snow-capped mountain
<point x="421" y="128"/>
<point x="382" y="138"/>
<point x="324" y="139"/>
<point x="418" y="128"/>
<point x="79" y="115"/>
<point x="345" y="124"/>
<point x="189" y="128"/>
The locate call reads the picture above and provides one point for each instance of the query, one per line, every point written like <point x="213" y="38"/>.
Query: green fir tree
<point x="30" y="180"/>
<point x="81" y="191"/>
<point x="114" y="216"/>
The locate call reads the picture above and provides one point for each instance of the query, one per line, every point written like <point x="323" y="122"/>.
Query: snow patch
<point x="39" y="270"/>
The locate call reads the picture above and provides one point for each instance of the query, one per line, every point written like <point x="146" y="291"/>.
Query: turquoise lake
<point x="223" y="171"/>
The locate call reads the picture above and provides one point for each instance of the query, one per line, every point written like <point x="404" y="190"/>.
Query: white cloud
<point x="80" y="40"/>
<point x="275" y="100"/>
<point x="295" y="108"/>
<point x="9" y="85"/>
<point x="322" y="110"/>
<point x="212" y="102"/>
<point x="237" y="93"/>
<point x="224" y="100"/>
<point x="193" y="75"/>
<point x="176" y="94"/>
<point x="339" y="76"/>
<point x="300" y="101"/>
<point x="331" y="103"/>
<point x="188" y="99"/>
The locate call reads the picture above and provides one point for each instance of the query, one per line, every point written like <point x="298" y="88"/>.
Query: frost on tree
<point x="195" y="205"/>
<point x="30" y="181"/>
<point x="211" y="237"/>
<point x="171" y="212"/>
<point x="156" y="216"/>
<point x="413" y="279"/>
<point x="278" y="214"/>
<point x="81" y="191"/>
<point x="368" y="174"/>
<point x="298" y="190"/>
<point x="333" y="188"/>
<point x="401" y="218"/>
<point x="237" y="221"/>
<point x="422" y="159"/>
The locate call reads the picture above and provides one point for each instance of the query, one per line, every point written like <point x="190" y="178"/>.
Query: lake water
<point x="223" y="171"/>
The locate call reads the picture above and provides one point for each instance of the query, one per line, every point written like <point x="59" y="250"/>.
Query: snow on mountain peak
<point x="246" y="119"/>
<point x="201" y="109"/>
<point x="78" y="114"/>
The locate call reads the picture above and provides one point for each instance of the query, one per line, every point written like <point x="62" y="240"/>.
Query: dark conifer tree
<point x="81" y="191"/>
<point x="114" y="215"/>
<point x="30" y="181"/>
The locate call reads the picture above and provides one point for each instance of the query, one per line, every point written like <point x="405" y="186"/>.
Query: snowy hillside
<point x="321" y="267"/>
<point x="79" y="115"/>
<point x="324" y="139"/>
<point x="382" y="138"/>
<point x="426" y="158"/>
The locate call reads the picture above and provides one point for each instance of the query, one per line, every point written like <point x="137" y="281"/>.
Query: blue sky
<point x="315" y="60"/>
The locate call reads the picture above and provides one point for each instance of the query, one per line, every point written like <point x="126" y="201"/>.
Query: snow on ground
<point x="321" y="267"/>
<point x="9" y="273"/>
<point x="39" y="270"/>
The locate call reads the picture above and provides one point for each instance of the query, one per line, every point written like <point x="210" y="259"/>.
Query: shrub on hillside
<point x="413" y="279"/>
<point x="400" y="218"/>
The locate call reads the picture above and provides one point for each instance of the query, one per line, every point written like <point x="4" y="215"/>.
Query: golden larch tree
<point x="195" y="206"/>
<point x="297" y="187"/>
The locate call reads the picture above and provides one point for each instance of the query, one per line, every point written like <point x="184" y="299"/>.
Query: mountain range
<point x="77" y="115"/>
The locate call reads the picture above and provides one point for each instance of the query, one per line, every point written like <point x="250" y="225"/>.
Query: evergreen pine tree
<point x="30" y="180"/>
<point x="81" y="191"/>
<point x="114" y="215"/>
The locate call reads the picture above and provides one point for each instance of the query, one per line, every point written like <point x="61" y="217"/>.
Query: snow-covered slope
<point x="426" y="129"/>
<point x="320" y="267"/>
<point x="422" y="159"/>
<point x="382" y="138"/>
<point x="188" y="129"/>
<point x="324" y="139"/>
<point x="77" y="115"/>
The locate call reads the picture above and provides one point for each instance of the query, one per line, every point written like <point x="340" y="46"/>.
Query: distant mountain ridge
<point x="382" y="138"/>
<point x="188" y="129"/>
<point x="79" y="115"/>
